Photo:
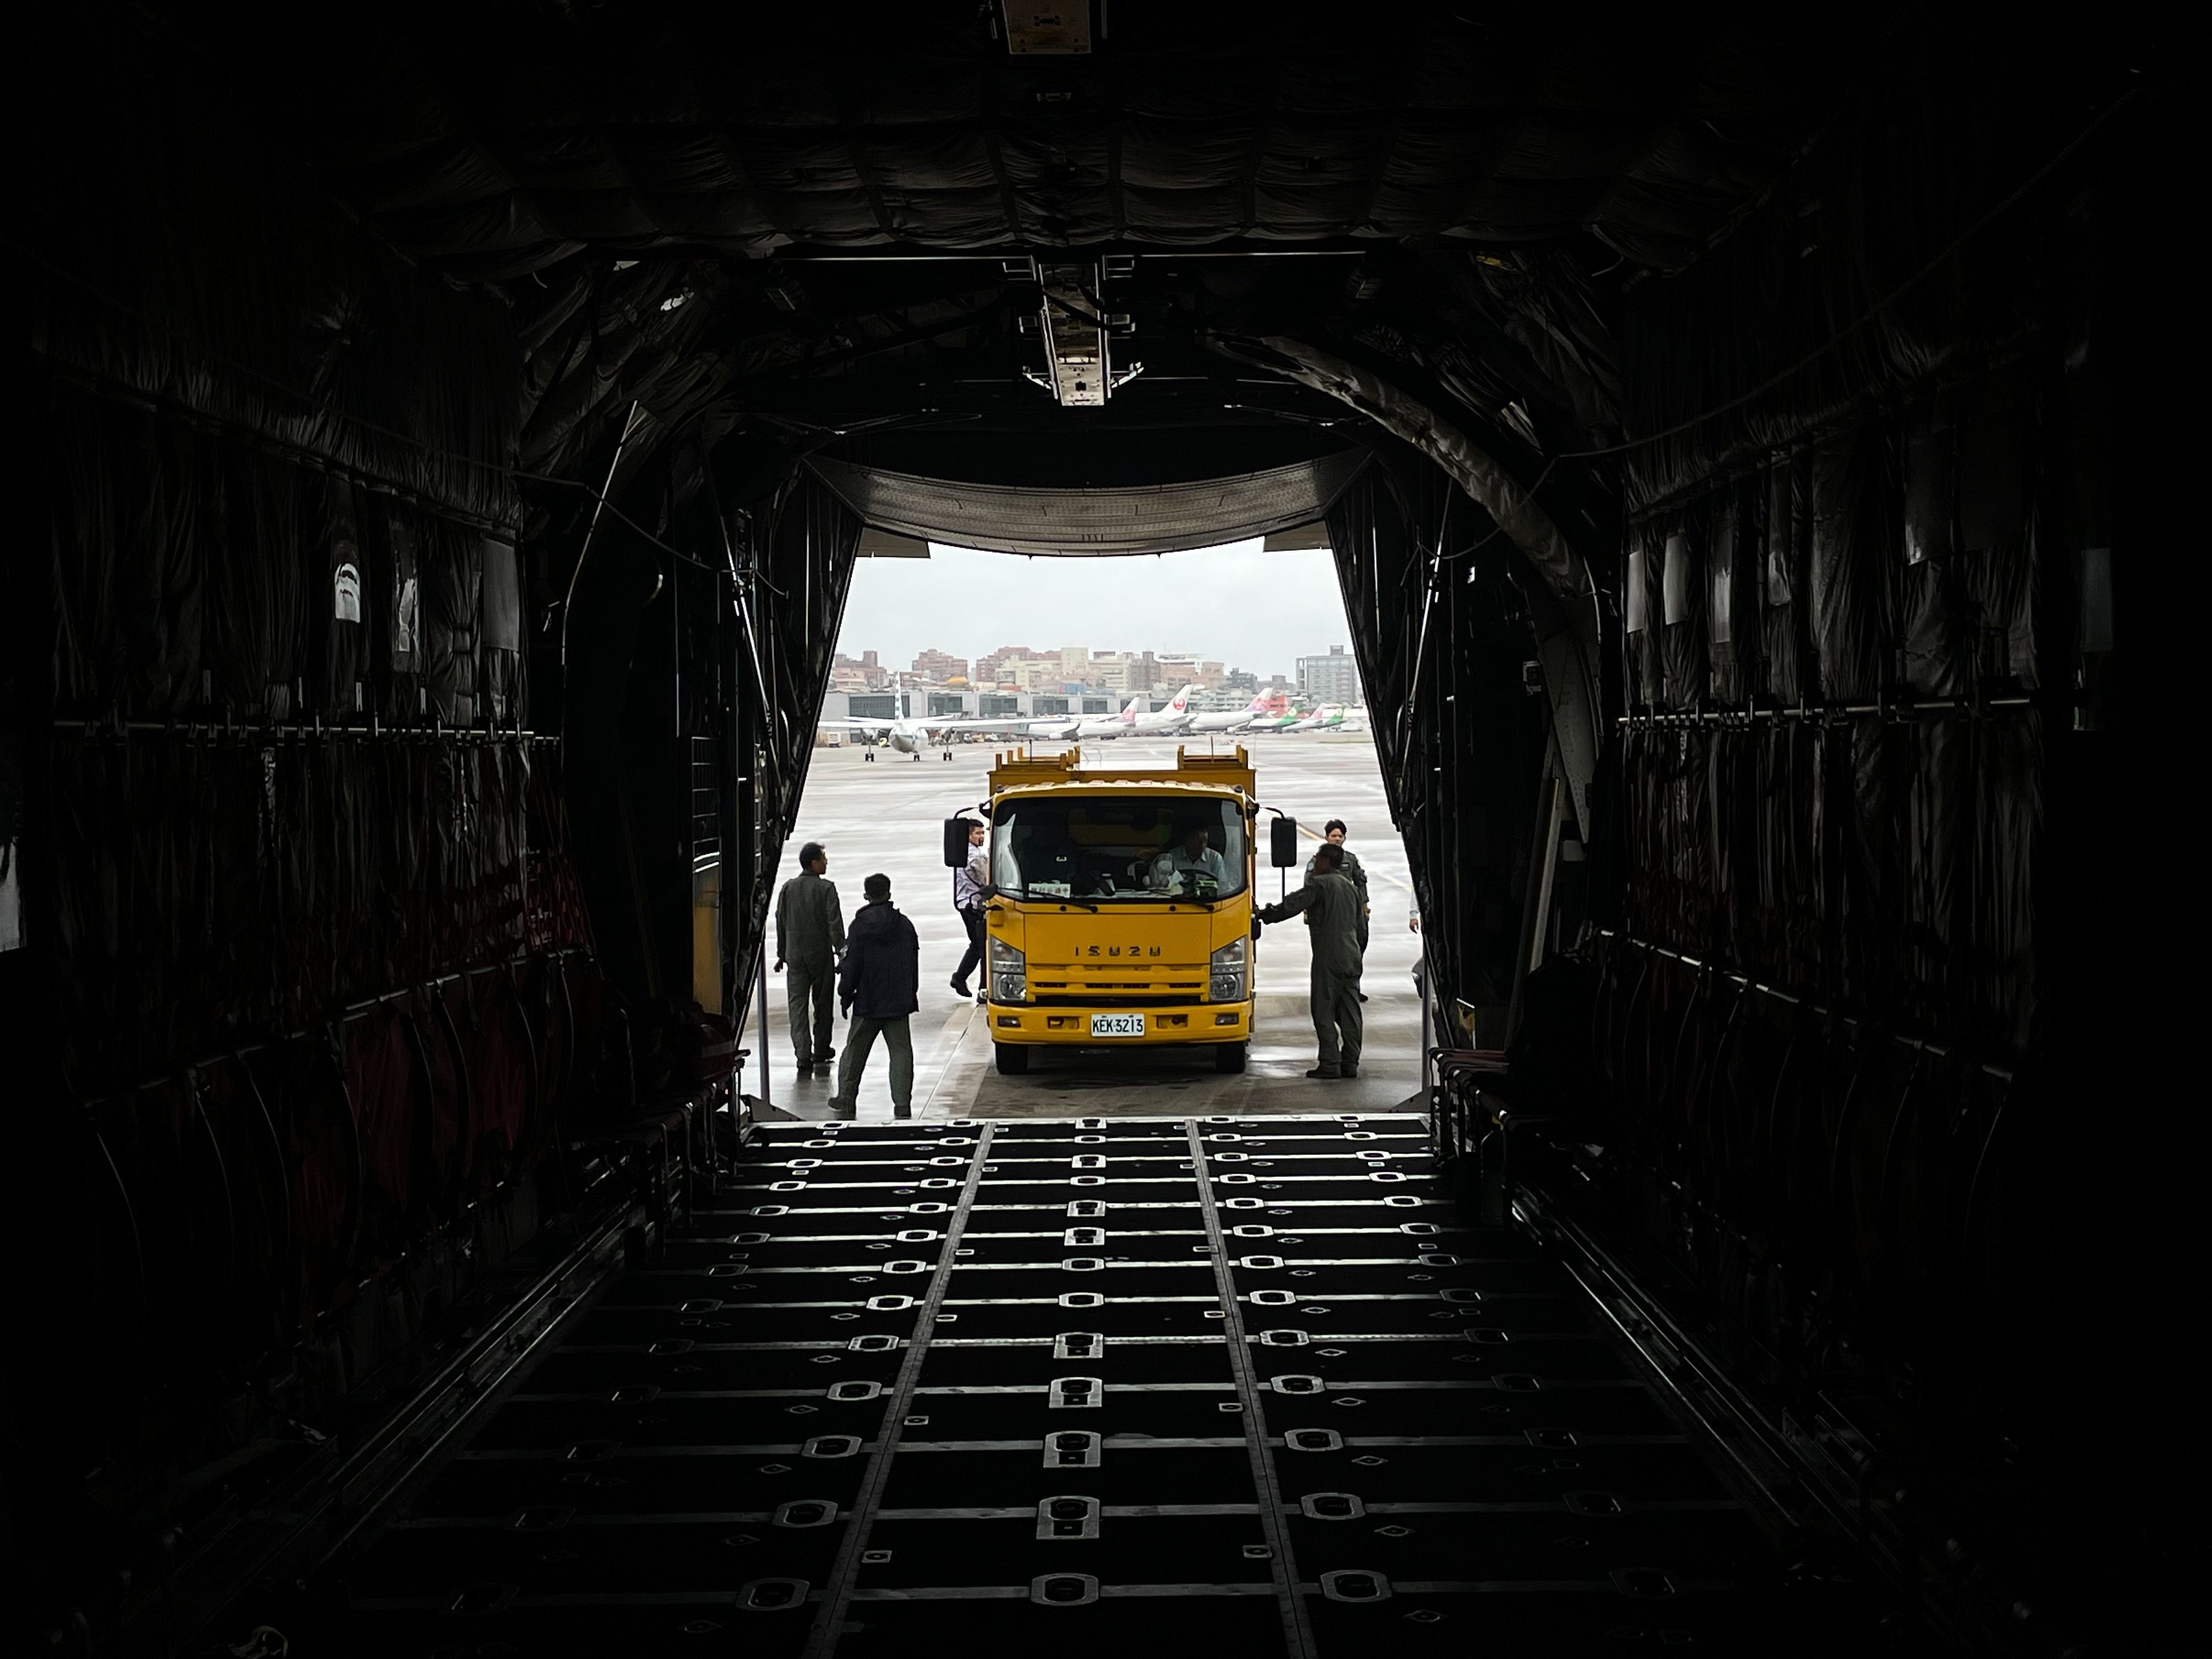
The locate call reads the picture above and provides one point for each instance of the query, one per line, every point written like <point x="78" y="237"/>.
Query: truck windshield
<point x="1107" y="848"/>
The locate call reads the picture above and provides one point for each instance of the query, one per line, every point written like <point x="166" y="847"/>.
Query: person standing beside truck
<point x="880" y="985"/>
<point x="1332" y="834"/>
<point x="968" y="882"/>
<point x="1330" y="906"/>
<point x="810" y="932"/>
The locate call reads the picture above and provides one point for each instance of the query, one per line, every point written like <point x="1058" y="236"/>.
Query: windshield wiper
<point x="1056" y="898"/>
<point x="1149" y="897"/>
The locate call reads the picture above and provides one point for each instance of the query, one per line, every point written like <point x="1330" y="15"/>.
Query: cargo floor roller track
<point x="1236" y="1386"/>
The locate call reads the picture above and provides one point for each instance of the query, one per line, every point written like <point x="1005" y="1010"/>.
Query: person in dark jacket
<point x="810" y="931"/>
<point x="878" y="986"/>
<point x="1330" y="906"/>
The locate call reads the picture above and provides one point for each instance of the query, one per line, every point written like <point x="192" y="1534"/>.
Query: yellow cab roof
<point x="1017" y="773"/>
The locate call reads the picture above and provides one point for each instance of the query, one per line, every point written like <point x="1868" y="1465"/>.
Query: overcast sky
<point x="1234" y="605"/>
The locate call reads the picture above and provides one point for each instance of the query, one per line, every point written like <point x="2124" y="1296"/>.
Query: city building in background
<point x="940" y="666"/>
<point x="987" y="667"/>
<point x="862" y="673"/>
<point x="1074" y="680"/>
<point x="1333" y="678"/>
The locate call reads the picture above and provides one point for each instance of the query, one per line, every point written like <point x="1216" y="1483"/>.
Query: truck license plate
<point x="1117" y="1026"/>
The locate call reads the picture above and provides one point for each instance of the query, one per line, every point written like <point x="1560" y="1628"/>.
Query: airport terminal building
<point x="953" y="702"/>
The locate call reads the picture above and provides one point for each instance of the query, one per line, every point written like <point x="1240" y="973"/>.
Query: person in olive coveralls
<point x="809" y="932"/>
<point x="1330" y="906"/>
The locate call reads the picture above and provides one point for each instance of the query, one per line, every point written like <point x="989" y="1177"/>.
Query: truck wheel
<point x="1013" y="1060"/>
<point x="1230" y="1056"/>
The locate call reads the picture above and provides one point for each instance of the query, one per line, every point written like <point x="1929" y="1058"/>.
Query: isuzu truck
<point x="1119" y="903"/>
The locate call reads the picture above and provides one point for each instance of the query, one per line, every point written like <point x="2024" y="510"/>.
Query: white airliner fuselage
<point x="1160" y="722"/>
<point x="1234" y="720"/>
<point x="1099" y="727"/>
<point x="911" y="736"/>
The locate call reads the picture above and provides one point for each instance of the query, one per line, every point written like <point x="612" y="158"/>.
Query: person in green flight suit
<point x="1333" y="910"/>
<point x="810" y="934"/>
<point x="1334" y="832"/>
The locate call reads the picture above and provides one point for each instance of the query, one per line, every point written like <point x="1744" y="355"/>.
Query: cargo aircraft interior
<point x="1751" y="444"/>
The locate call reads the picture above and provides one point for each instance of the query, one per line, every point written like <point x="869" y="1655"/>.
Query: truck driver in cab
<point x="1191" y="862"/>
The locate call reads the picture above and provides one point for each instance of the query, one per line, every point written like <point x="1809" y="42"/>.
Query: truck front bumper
<point x="1204" y="1022"/>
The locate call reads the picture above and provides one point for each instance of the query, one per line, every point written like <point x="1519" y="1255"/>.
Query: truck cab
<point x="1119" y="908"/>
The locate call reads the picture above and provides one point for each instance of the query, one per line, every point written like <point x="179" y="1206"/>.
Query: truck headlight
<point x="1010" y="972"/>
<point x="1230" y="966"/>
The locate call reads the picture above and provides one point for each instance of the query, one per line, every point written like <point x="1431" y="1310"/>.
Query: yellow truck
<point x="1119" y="903"/>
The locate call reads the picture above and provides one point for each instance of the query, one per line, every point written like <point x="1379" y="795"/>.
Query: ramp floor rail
<point x="1238" y="1385"/>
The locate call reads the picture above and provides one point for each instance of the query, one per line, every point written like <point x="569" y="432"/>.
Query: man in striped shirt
<point x="968" y="882"/>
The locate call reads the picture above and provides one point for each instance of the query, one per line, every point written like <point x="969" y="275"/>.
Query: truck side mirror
<point x="955" y="841"/>
<point x="1283" y="843"/>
